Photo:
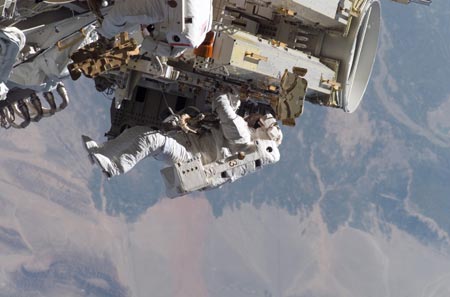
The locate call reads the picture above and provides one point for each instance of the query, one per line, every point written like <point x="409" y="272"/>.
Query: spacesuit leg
<point x="12" y="40"/>
<point x="121" y="154"/>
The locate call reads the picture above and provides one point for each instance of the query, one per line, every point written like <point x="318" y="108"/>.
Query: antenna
<point x="423" y="2"/>
<point x="356" y="52"/>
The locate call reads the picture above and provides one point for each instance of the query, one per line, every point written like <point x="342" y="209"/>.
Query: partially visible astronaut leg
<point x="124" y="14"/>
<point x="121" y="154"/>
<point x="12" y="41"/>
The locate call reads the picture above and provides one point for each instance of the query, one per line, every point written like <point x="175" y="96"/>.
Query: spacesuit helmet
<point x="268" y="151"/>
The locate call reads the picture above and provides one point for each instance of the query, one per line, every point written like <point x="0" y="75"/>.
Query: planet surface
<point x="358" y="205"/>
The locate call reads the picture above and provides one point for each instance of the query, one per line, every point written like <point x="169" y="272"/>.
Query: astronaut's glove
<point x="226" y="106"/>
<point x="184" y="124"/>
<point x="235" y="100"/>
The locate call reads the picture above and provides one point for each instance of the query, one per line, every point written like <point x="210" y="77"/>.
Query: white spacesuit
<point x="12" y="41"/>
<point x="188" y="30"/>
<point x="46" y="70"/>
<point x="220" y="155"/>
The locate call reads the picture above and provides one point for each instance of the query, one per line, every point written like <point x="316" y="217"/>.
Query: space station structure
<point x="328" y="46"/>
<point x="276" y="55"/>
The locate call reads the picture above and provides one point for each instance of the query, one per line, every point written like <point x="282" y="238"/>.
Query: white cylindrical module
<point x="356" y="53"/>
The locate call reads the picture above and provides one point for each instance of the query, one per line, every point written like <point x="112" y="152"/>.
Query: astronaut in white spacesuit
<point x="221" y="150"/>
<point x="183" y="31"/>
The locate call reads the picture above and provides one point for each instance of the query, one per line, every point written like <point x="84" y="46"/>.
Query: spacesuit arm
<point x="234" y="127"/>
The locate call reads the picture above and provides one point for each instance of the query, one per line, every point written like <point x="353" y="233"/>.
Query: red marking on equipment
<point x="180" y="44"/>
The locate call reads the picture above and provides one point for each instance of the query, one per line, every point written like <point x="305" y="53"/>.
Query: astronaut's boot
<point x="91" y="146"/>
<point x="104" y="163"/>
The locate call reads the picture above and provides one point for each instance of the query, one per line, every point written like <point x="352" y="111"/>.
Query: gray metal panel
<point x="323" y="12"/>
<point x="278" y="60"/>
